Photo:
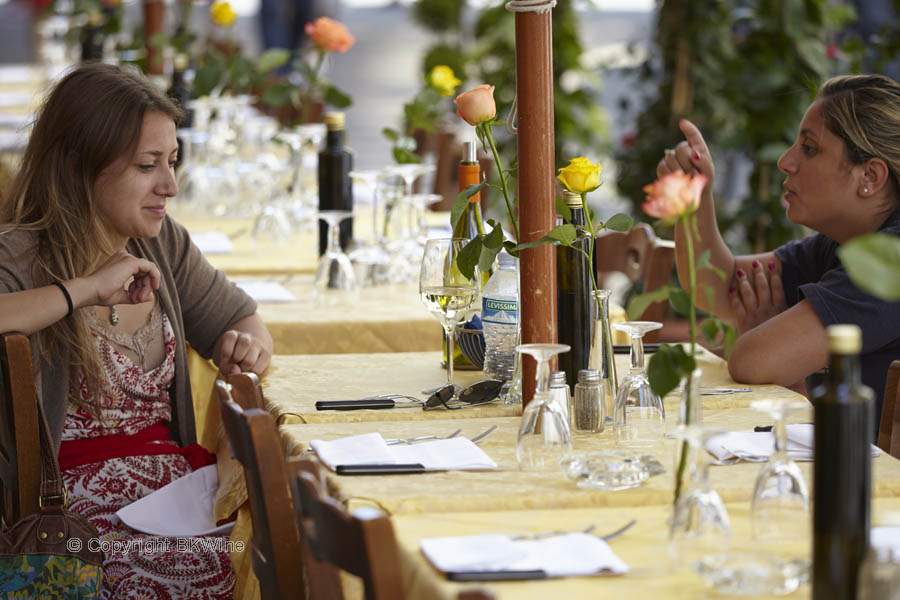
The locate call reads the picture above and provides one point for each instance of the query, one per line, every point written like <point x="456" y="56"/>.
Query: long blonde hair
<point x="92" y="117"/>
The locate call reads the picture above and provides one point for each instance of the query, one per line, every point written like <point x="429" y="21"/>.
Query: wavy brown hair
<point x="864" y="111"/>
<point x="92" y="117"/>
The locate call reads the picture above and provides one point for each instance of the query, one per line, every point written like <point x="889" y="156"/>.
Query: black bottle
<point x="573" y="297"/>
<point x="335" y="186"/>
<point x="842" y="471"/>
<point x="180" y="92"/>
<point x="92" y="38"/>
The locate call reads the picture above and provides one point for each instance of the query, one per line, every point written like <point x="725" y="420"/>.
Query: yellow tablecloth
<point x="652" y="574"/>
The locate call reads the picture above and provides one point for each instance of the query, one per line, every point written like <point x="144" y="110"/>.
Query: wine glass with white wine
<point x="446" y="292"/>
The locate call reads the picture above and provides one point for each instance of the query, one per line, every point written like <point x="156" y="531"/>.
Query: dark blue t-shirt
<point x="811" y="270"/>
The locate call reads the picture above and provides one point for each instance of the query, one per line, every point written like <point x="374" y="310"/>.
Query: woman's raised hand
<point x="691" y="155"/>
<point x="121" y="269"/>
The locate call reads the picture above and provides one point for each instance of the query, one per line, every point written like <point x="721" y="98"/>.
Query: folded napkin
<point x="182" y="508"/>
<point x="370" y="448"/>
<point x="266" y="291"/>
<point x="212" y="242"/>
<point x="758" y="446"/>
<point x="566" y="555"/>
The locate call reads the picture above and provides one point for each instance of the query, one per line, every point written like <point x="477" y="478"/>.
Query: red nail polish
<point x="696" y="155"/>
<point x="731" y="291"/>
<point x="772" y="266"/>
<point x="755" y="264"/>
<point x="740" y="273"/>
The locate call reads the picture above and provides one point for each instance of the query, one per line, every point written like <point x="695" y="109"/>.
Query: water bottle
<point x="499" y="315"/>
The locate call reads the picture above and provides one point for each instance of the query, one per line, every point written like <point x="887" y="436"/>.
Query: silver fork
<point x="395" y="441"/>
<point x="589" y="529"/>
<point x="483" y="434"/>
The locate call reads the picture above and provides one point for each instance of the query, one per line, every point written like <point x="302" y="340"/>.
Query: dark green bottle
<point x="573" y="297"/>
<point x="335" y="186"/>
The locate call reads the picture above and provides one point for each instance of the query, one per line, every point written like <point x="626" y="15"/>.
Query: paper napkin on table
<point x="182" y="508"/>
<point x="266" y="291"/>
<point x="370" y="448"/>
<point x="566" y="555"/>
<point x="758" y="446"/>
<point x="212" y="242"/>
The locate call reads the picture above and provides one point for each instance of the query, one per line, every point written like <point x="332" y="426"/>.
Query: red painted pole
<point x="537" y="267"/>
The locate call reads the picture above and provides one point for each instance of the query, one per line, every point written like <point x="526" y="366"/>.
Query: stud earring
<point x="865" y="190"/>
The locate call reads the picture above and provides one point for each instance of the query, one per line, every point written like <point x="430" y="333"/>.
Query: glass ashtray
<point x="752" y="573"/>
<point x="606" y="469"/>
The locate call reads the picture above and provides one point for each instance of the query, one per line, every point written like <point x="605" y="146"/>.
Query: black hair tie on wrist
<point x="68" y="297"/>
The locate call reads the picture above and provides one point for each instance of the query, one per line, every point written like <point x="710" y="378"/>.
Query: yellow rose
<point x="221" y="13"/>
<point x="580" y="176"/>
<point x="443" y="80"/>
<point x="673" y="195"/>
<point x="477" y="105"/>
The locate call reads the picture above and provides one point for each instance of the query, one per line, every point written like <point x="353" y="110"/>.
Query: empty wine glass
<point x="639" y="419"/>
<point x="544" y="434"/>
<point x="335" y="278"/>
<point x="410" y="172"/>
<point x="699" y="527"/>
<point x="780" y="505"/>
<point x="446" y="292"/>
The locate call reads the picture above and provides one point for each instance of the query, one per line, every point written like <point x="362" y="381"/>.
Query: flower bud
<point x="477" y="105"/>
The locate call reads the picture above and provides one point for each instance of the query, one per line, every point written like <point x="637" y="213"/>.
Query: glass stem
<point x="451" y="348"/>
<point x="637" y="353"/>
<point x="780" y="438"/>
<point x="543" y="375"/>
<point x="334" y="238"/>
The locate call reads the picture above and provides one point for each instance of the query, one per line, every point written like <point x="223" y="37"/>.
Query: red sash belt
<point x="151" y="440"/>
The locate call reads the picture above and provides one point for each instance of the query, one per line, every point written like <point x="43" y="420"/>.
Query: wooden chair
<point x="284" y="570"/>
<point x="643" y="257"/>
<point x="889" y="428"/>
<point x="20" y="450"/>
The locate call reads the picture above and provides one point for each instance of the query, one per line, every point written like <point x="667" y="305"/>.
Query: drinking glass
<point x="639" y="419"/>
<point x="410" y="172"/>
<point x="780" y="505"/>
<point x="699" y="526"/>
<point x="369" y="257"/>
<point x="446" y="292"/>
<point x="335" y="278"/>
<point x="544" y="434"/>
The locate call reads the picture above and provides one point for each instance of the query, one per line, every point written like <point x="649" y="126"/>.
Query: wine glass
<point x="699" y="527"/>
<point x="446" y="292"/>
<point x="335" y="278"/>
<point x="544" y="433"/>
<point x="410" y="172"/>
<point x="780" y="505"/>
<point x="639" y="416"/>
<point x="368" y="256"/>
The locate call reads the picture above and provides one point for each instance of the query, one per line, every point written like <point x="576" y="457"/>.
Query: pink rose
<point x="329" y="35"/>
<point x="673" y="195"/>
<point x="477" y="105"/>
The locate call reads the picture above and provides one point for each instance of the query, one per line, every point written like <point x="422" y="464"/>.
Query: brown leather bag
<point x="53" y="552"/>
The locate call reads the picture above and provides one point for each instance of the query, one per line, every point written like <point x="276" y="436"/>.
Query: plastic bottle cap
<point x="572" y="199"/>
<point x="585" y="375"/>
<point x="334" y="120"/>
<point x="180" y="62"/>
<point x="844" y="339"/>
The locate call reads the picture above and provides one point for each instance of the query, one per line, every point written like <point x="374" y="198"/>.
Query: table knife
<point x="364" y="403"/>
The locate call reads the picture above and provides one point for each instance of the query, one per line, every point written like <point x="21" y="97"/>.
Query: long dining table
<point x="509" y="500"/>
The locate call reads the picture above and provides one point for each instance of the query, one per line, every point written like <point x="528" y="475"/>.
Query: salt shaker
<point x="559" y="389"/>
<point x="588" y="402"/>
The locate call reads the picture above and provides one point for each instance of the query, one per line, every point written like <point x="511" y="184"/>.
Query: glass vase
<point x="691" y="409"/>
<point x="601" y="357"/>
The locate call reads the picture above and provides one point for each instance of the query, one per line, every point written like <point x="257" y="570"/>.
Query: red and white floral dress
<point x="116" y="450"/>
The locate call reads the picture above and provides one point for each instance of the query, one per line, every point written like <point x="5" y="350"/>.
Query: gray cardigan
<point x="199" y="300"/>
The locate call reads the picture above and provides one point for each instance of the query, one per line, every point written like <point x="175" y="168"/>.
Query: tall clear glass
<point x="446" y="292"/>
<point x="544" y="433"/>
<point x="601" y="357"/>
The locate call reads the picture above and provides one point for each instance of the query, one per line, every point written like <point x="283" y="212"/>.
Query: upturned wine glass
<point x="780" y="505"/>
<point x="640" y="418"/>
<point x="335" y="278"/>
<point x="544" y="433"/>
<point x="699" y="525"/>
<point x="446" y="291"/>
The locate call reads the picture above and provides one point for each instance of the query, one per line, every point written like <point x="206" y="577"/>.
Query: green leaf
<point x="638" y="304"/>
<point x="272" y="59"/>
<point x="710" y="329"/>
<point x="462" y="201"/>
<point x="565" y="234"/>
<point x="873" y="263"/>
<point x="468" y="257"/>
<point x="619" y="222"/>
<point x="277" y="94"/>
<point x="525" y="245"/>
<point x="494" y="239"/>
<point x="666" y="369"/>
<point x="511" y="248"/>
<point x="336" y="97"/>
<point x="390" y="134"/>
<point x="402" y="156"/>
<point x="704" y="263"/>
<point x="680" y="301"/>
<point x="491" y="244"/>
<point x="710" y="296"/>
<point x="563" y="209"/>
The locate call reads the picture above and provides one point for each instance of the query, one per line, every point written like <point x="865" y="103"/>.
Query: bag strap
<point x="53" y="492"/>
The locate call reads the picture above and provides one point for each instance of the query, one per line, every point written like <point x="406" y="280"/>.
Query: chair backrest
<point x="20" y="447"/>
<point x="640" y="256"/>
<point x="255" y="443"/>
<point x="361" y="543"/>
<point x="889" y="427"/>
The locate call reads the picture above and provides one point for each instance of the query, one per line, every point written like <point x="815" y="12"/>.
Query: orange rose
<point x="329" y="35"/>
<point x="477" y="105"/>
<point x="673" y="195"/>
